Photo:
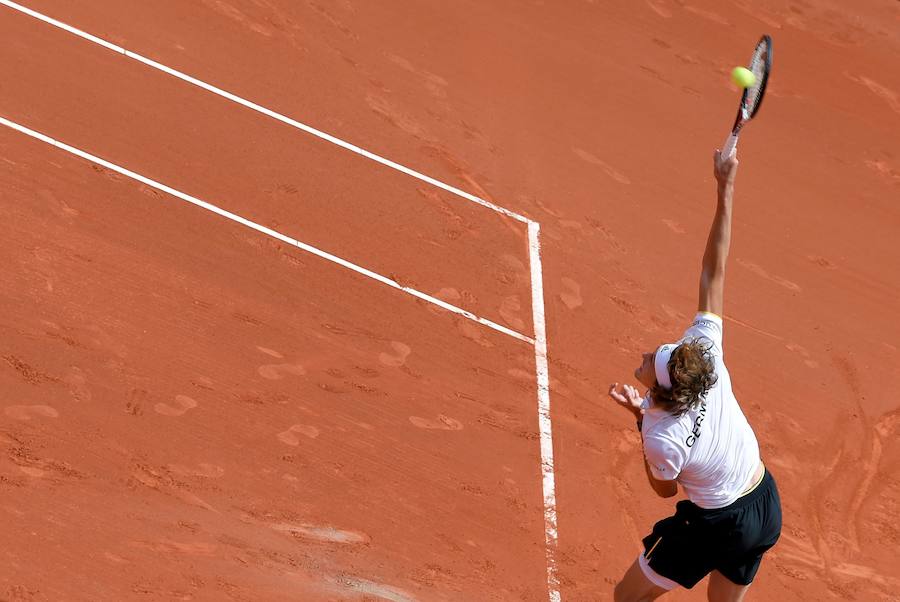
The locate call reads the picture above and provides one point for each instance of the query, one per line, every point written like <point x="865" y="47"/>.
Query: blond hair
<point x="692" y="372"/>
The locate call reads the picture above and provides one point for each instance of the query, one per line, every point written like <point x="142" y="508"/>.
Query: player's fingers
<point x="616" y="395"/>
<point x="729" y="167"/>
<point x="719" y="163"/>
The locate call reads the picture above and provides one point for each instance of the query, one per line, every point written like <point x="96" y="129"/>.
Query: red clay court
<point x="335" y="319"/>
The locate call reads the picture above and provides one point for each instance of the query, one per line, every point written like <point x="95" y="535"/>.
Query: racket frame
<point x="743" y="114"/>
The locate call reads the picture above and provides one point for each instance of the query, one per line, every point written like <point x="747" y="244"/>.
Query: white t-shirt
<point x="711" y="449"/>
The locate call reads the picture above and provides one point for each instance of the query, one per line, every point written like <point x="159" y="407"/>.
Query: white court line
<point x="537" y="294"/>
<point x="261" y="109"/>
<point x="267" y="231"/>
<point x="551" y="534"/>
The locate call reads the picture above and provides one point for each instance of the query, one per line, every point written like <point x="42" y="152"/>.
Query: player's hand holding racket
<point x="724" y="170"/>
<point x="752" y="95"/>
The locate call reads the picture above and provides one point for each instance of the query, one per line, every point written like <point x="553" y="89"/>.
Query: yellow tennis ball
<point x="743" y="77"/>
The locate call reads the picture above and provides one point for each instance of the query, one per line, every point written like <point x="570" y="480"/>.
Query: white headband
<point x="661" y="364"/>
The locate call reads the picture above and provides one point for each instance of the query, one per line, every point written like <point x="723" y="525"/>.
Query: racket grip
<point x="729" y="148"/>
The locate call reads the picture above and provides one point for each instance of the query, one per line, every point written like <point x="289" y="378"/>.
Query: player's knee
<point x="625" y="593"/>
<point x="635" y="587"/>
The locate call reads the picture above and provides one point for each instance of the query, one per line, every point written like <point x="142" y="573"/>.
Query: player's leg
<point x="722" y="589"/>
<point x="636" y="587"/>
<point x="757" y="524"/>
<point x="675" y="554"/>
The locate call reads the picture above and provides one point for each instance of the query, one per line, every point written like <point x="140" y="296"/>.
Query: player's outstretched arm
<point x="712" y="277"/>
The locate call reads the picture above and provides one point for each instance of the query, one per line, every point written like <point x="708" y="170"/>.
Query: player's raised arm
<point x="712" y="277"/>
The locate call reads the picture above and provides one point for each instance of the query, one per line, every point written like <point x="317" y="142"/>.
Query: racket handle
<point x="729" y="148"/>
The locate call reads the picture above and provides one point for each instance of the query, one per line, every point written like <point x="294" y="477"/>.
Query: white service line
<point x="267" y="231"/>
<point x="252" y="105"/>
<point x="551" y="534"/>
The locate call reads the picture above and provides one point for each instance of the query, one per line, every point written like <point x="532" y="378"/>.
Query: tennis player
<point x="695" y="434"/>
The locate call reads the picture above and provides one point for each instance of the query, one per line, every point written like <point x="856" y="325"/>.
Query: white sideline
<point x="267" y="231"/>
<point x="551" y="534"/>
<point x="261" y="109"/>
<point x="537" y="294"/>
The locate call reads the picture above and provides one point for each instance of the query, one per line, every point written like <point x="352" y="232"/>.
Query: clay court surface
<point x="195" y="411"/>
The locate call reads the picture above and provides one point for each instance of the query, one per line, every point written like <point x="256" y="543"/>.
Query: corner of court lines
<point x="539" y="340"/>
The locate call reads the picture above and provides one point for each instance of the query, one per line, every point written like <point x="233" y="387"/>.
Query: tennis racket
<point x="752" y="97"/>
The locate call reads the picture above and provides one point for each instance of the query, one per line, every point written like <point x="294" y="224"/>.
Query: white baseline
<point x="261" y="109"/>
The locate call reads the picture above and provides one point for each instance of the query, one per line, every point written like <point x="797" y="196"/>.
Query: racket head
<point x="752" y="96"/>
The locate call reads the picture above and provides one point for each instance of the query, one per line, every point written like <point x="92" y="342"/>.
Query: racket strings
<point x="758" y="67"/>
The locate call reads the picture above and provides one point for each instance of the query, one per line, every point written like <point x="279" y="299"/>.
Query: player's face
<point x="645" y="373"/>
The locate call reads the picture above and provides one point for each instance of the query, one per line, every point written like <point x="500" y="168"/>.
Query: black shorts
<point x="694" y="542"/>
